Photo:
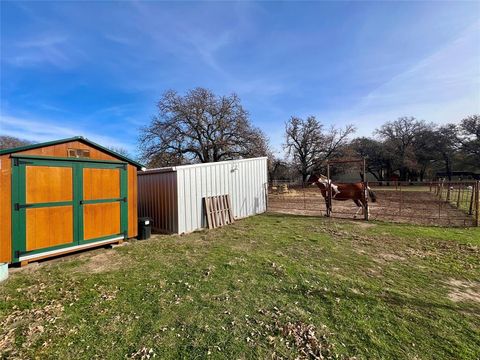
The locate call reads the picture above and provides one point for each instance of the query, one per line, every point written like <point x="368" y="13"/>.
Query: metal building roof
<point x="189" y="166"/>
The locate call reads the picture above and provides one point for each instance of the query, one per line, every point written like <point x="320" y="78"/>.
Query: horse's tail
<point x="372" y="194"/>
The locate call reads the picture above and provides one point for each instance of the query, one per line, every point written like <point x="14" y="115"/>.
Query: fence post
<point x="458" y="197"/>
<point x="329" y="192"/>
<point x="266" y="196"/>
<point x="365" y="194"/>
<point x="472" y="199"/>
<point x="400" y="202"/>
<point x="477" y="203"/>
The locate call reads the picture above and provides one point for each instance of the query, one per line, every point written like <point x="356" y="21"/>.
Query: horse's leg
<point x="364" y="206"/>
<point x="359" y="207"/>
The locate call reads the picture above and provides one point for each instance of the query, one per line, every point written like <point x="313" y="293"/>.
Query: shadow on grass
<point x="387" y="298"/>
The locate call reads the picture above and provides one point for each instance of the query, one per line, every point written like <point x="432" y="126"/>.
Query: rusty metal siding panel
<point x="157" y="199"/>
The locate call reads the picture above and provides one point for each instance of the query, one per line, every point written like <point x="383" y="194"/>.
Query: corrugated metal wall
<point x="244" y="180"/>
<point x="157" y="199"/>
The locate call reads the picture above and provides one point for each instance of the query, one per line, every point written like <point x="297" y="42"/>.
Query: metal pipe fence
<point x="440" y="203"/>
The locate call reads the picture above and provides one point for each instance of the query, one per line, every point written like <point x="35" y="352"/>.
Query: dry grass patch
<point x="463" y="290"/>
<point x="103" y="261"/>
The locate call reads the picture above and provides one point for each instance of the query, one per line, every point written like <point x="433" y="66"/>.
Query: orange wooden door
<point x="104" y="201"/>
<point x="44" y="207"/>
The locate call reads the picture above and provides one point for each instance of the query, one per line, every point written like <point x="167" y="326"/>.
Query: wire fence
<point x="441" y="203"/>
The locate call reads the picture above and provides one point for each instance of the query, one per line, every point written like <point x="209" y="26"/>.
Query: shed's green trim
<point x="93" y="241"/>
<point x="75" y="138"/>
<point x="98" y="201"/>
<point x="58" y="158"/>
<point x="17" y="239"/>
<point x="40" y="251"/>
<point x="37" y="145"/>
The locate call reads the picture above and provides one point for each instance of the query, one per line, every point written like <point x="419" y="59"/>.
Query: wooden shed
<point x="63" y="196"/>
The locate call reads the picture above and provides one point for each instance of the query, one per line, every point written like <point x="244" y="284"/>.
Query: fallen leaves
<point x="305" y="339"/>
<point x="28" y="324"/>
<point x="142" y="354"/>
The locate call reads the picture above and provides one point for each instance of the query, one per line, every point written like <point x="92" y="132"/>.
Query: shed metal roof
<point x="75" y="138"/>
<point x="180" y="167"/>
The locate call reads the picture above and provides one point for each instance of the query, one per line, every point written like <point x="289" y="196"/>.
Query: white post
<point x="3" y="271"/>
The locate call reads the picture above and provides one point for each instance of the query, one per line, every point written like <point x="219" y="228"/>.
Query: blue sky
<point x="97" y="68"/>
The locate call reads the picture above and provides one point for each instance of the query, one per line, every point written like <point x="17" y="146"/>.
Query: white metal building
<point x="173" y="196"/>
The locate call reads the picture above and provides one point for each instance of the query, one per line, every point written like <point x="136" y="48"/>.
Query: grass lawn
<point x="270" y="286"/>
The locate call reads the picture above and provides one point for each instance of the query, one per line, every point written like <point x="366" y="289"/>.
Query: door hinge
<point x="125" y="235"/>
<point x="124" y="199"/>
<point x="124" y="167"/>
<point x="21" y="206"/>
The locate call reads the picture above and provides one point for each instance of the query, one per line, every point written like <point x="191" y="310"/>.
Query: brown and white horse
<point x="343" y="192"/>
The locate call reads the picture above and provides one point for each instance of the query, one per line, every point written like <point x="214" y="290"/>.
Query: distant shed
<point x="63" y="196"/>
<point x="173" y="197"/>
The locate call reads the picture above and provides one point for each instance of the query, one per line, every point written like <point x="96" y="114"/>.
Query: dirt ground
<point x="416" y="207"/>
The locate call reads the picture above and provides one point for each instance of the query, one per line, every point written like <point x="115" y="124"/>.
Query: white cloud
<point x="41" y="131"/>
<point x="45" y="49"/>
<point x="444" y="87"/>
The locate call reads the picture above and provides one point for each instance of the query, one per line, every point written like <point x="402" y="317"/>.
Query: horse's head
<point x="320" y="179"/>
<point x="312" y="179"/>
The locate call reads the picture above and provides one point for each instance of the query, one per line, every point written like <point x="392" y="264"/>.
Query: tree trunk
<point x="448" y="167"/>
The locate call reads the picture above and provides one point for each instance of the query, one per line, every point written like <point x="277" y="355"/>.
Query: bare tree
<point x="7" y="142"/>
<point x="120" y="150"/>
<point x="403" y="139"/>
<point x="279" y="169"/>
<point x="310" y="146"/>
<point x="200" y="127"/>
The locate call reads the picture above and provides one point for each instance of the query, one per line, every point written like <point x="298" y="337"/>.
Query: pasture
<point x="270" y="286"/>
